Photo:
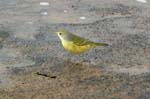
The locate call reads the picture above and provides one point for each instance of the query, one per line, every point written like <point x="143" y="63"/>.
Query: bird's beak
<point x="57" y="33"/>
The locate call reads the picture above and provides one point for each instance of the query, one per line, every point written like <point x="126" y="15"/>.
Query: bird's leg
<point x="68" y="57"/>
<point x="80" y="59"/>
<point x="83" y="59"/>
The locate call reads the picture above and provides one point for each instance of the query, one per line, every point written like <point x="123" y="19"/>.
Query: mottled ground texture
<point x="33" y="64"/>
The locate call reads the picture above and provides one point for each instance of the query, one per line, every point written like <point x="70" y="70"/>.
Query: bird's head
<point x="63" y="33"/>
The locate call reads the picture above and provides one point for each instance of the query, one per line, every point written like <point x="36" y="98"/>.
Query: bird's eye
<point x="60" y="33"/>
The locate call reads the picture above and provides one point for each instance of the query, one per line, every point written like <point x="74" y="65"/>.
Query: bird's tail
<point x="101" y="44"/>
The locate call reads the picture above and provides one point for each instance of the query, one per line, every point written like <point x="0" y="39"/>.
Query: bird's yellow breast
<point x="73" y="48"/>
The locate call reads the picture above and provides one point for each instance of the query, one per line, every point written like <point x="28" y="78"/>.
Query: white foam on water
<point x="65" y="11"/>
<point x="44" y="3"/>
<point x="142" y="1"/>
<point x="82" y="18"/>
<point x="44" y="13"/>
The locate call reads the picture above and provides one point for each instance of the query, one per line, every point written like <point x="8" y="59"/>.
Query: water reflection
<point x="44" y="3"/>
<point x="44" y="13"/>
<point x="142" y="1"/>
<point x="82" y="18"/>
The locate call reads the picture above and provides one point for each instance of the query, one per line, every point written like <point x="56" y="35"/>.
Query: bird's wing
<point x="79" y="41"/>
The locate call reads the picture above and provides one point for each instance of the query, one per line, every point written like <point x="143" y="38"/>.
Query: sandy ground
<point x="33" y="64"/>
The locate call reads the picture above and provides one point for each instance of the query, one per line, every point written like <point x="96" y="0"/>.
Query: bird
<point x="76" y="44"/>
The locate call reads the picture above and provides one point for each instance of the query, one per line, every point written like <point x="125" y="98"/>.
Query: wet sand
<point x="33" y="64"/>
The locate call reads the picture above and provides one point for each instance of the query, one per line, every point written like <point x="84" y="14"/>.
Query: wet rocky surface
<point x="33" y="64"/>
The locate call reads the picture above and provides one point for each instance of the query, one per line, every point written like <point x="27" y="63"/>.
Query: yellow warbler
<point x="76" y="44"/>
